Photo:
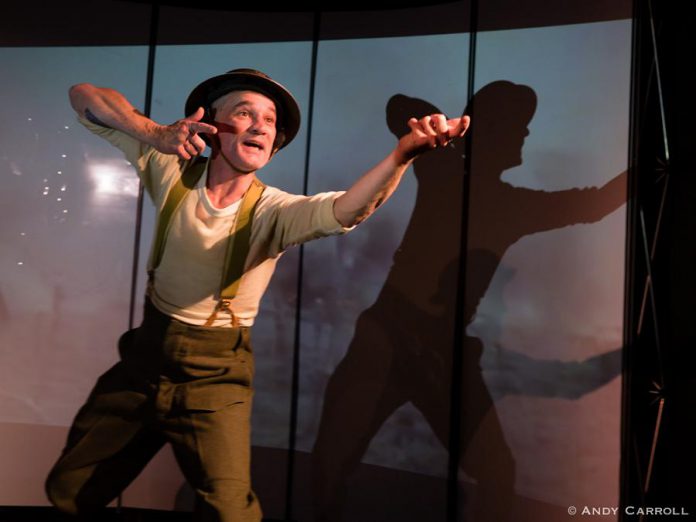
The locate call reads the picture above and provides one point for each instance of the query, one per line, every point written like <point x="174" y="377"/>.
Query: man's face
<point x="246" y="122"/>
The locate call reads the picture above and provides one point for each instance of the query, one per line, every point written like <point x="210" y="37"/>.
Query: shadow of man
<point x="402" y="348"/>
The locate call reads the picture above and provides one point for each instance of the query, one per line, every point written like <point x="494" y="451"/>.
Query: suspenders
<point x="237" y="243"/>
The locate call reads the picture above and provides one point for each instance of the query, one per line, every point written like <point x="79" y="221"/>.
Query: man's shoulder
<point x="274" y="201"/>
<point x="275" y="195"/>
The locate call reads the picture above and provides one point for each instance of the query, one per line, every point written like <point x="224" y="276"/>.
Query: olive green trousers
<point x="186" y="385"/>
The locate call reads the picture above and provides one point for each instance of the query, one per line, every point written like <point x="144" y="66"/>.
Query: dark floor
<point x="47" y="514"/>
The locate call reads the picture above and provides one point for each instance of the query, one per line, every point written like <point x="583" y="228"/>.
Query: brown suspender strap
<point x="238" y="246"/>
<point x="183" y="186"/>
<point x="237" y="243"/>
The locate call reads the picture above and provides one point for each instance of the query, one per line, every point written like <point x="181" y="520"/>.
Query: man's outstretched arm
<point x="110" y="108"/>
<point x="378" y="184"/>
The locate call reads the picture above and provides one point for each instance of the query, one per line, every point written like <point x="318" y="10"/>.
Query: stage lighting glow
<point x="112" y="179"/>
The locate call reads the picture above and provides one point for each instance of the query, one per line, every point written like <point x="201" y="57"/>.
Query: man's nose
<point x="257" y="127"/>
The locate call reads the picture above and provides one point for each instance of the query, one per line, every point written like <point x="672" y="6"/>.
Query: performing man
<point x="184" y="376"/>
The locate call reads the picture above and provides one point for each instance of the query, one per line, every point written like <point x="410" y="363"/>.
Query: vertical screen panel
<point x="376" y="325"/>
<point x="545" y="267"/>
<point x="161" y="485"/>
<point x="67" y="218"/>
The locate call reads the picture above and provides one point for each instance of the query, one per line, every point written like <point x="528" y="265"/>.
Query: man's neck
<point x="225" y="185"/>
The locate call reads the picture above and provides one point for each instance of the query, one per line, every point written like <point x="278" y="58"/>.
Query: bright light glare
<point x="112" y="179"/>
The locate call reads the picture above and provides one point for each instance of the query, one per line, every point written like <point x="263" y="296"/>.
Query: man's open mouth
<point x="253" y="144"/>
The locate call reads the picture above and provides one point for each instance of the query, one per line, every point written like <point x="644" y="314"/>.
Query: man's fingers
<point x="198" y="115"/>
<point x="438" y="129"/>
<point x="431" y="132"/>
<point x="458" y="126"/>
<point x="196" y="127"/>
<point x="198" y="143"/>
<point x="191" y="148"/>
<point x="439" y="124"/>
<point x="426" y="126"/>
<point x="181" y="152"/>
<point x="413" y="123"/>
<point x="464" y="122"/>
<point x="417" y="128"/>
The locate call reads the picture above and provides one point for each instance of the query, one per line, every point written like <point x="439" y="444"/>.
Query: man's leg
<point x="204" y="406"/>
<point x="212" y="449"/>
<point x="109" y="443"/>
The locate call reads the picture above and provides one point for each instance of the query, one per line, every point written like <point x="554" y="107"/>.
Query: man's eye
<point x="270" y="121"/>
<point x="244" y="114"/>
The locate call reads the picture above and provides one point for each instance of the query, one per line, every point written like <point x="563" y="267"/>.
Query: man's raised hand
<point x="182" y="137"/>
<point x="430" y="132"/>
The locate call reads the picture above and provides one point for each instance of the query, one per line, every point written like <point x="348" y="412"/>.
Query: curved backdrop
<point x="496" y="270"/>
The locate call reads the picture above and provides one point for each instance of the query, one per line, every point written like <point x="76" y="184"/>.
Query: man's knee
<point x="228" y="500"/>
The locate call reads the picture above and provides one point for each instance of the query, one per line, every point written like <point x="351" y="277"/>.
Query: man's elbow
<point x="79" y="93"/>
<point x="344" y="218"/>
<point x="350" y="220"/>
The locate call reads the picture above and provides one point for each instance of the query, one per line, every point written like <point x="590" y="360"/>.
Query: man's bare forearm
<point x="109" y="108"/>
<point x="370" y="191"/>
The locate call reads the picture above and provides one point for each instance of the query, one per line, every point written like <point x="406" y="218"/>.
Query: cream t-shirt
<point x="187" y="280"/>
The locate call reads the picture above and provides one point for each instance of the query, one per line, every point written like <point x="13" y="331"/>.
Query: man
<point x="185" y="374"/>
